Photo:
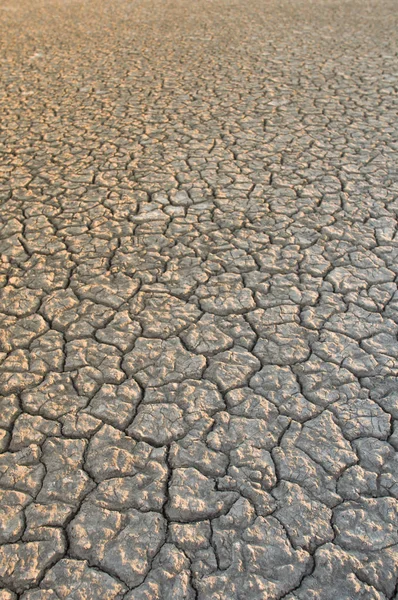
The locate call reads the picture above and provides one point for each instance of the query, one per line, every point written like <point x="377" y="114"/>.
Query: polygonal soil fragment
<point x="130" y="474"/>
<point x="205" y="337"/>
<point x="224" y="295"/>
<point x="306" y="520"/>
<point x="367" y="525"/>
<point x="168" y="412"/>
<point x="75" y="579"/>
<point x="157" y="362"/>
<point x="162" y="316"/>
<point x="194" y="496"/>
<point x="323" y="441"/>
<point x="11" y="515"/>
<point x="232" y="368"/>
<point x="54" y="397"/>
<point x="116" y="404"/>
<point x="170" y="577"/>
<point x="285" y="344"/>
<point x="334" y="577"/>
<point x="23" y="564"/>
<point x="276" y="568"/>
<point x="65" y="479"/>
<point x="122" y="544"/>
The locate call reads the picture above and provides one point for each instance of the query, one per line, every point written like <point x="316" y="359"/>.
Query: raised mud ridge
<point x="198" y="300"/>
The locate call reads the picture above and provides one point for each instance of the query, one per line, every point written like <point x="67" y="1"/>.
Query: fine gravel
<point x="198" y="300"/>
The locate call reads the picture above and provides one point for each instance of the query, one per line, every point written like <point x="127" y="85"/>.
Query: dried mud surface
<point x="198" y="300"/>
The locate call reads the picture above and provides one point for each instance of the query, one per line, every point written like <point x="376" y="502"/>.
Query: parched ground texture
<point x="198" y="303"/>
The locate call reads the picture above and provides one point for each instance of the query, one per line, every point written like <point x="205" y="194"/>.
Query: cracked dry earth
<point x="199" y="306"/>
